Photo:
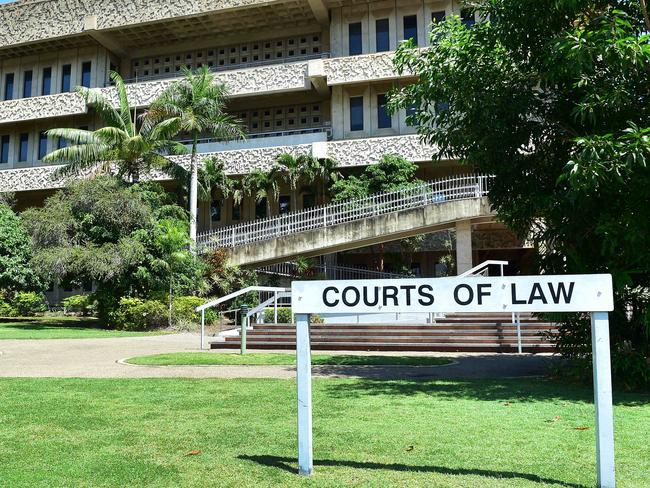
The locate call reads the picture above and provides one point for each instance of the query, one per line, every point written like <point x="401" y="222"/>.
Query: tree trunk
<point x="193" y="194"/>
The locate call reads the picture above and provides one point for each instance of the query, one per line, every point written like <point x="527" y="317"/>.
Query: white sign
<point x="544" y="293"/>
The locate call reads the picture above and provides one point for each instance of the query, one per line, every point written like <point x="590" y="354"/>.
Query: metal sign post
<point x="545" y="293"/>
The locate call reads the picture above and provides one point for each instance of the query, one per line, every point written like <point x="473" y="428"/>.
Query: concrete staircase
<point x="456" y="332"/>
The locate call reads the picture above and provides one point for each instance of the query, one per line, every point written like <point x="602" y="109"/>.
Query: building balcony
<point x="348" y="153"/>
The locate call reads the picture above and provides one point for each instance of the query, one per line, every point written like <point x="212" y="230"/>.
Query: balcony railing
<point x="228" y="67"/>
<point x="417" y="196"/>
<point x="262" y="135"/>
<point x="331" y="272"/>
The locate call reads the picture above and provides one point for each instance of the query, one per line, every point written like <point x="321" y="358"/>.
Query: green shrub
<point x="78" y="304"/>
<point x="27" y="304"/>
<point x="138" y="314"/>
<point x="284" y="315"/>
<point x="184" y="310"/>
<point x="6" y="310"/>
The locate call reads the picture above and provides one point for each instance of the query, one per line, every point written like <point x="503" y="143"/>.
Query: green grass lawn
<point x="59" y="328"/>
<point x="233" y="433"/>
<point x="211" y="358"/>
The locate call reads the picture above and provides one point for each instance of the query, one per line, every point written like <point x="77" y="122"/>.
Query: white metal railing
<point x="417" y="196"/>
<point x="264" y="135"/>
<point x="483" y="268"/>
<point x="331" y="272"/>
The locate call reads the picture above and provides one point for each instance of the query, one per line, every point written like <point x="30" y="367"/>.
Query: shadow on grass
<point x="288" y="464"/>
<point x="513" y="390"/>
<point x="47" y="323"/>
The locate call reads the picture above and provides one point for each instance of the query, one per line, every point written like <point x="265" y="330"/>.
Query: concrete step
<point x="395" y="346"/>
<point x="391" y="339"/>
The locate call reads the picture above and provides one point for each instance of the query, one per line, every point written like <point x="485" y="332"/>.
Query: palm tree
<point x="295" y="170"/>
<point x="263" y="184"/>
<point x="134" y="148"/>
<point x="327" y="172"/>
<point x="196" y="106"/>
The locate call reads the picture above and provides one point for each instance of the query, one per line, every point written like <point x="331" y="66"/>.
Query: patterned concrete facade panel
<point x="357" y="152"/>
<point x="36" y="20"/>
<point x="45" y="107"/>
<point x="361" y="152"/>
<point x="354" y="69"/>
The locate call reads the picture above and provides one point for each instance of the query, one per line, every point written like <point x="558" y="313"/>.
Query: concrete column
<point x="463" y="246"/>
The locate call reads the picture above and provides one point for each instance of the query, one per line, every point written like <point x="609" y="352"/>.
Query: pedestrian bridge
<point x="420" y="209"/>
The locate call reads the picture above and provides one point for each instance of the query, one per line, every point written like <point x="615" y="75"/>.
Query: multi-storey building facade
<point x="305" y="77"/>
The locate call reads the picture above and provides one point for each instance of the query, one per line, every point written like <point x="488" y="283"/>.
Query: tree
<point x="196" y="105"/>
<point x="15" y="253"/>
<point x="553" y="99"/>
<point x="134" y="148"/>
<point x="263" y="185"/>
<point x="125" y="238"/>
<point x="327" y="172"/>
<point x="296" y="171"/>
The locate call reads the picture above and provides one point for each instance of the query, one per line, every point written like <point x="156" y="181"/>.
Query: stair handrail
<point x="482" y="268"/>
<point x="213" y="303"/>
<point x="277" y="269"/>
<point x="434" y="192"/>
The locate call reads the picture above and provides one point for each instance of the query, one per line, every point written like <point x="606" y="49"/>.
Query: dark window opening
<point x="215" y="211"/>
<point x="438" y="16"/>
<point x="284" y="204"/>
<point x="384" y="120"/>
<point x="42" y="145"/>
<point x="23" y="147"/>
<point x="9" y="86"/>
<point x="4" y="149"/>
<point x="66" y="73"/>
<point x="46" y="86"/>
<point x="308" y="200"/>
<point x="260" y="208"/>
<point x="356" y="113"/>
<point x="355" y="46"/>
<point x="27" y="84"/>
<point x="382" y="34"/>
<point x="411" y="28"/>
<point x="467" y="17"/>
<point x="236" y="211"/>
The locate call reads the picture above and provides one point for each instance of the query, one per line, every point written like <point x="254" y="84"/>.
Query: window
<point x="382" y="35"/>
<point x="236" y="211"/>
<point x="438" y="16"/>
<point x="384" y="120"/>
<point x="410" y="113"/>
<point x="66" y="72"/>
<point x="61" y="143"/>
<point x="355" y="46"/>
<point x="46" y="86"/>
<point x="356" y="113"/>
<point x="308" y="200"/>
<point x="411" y="28"/>
<point x="4" y="149"/>
<point x="85" y="74"/>
<point x="215" y="211"/>
<point x="23" y="147"/>
<point x="260" y="208"/>
<point x="467" y="17"/>
<point x="9" y="86"/>
<point x="284" y="204"/>
<point x="42" y="145"/>
<point x="27" y="84"/>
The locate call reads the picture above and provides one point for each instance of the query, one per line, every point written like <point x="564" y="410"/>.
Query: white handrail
<point x="230" y="296"/>
<point x="417" y="196"/>
<point x="476" y="270"/>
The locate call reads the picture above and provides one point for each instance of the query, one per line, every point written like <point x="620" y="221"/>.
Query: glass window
<point x="236" y="211"/>
<point x="356" y="113"/>
<point x="308" y="200"/>
<point x="66" y="78"/>
<point x="46" y="87"/>
<point x="467" y="17"/>
<point x="4" y="149"/>
<point x="23" y="147"/>
<point x="85" y="74"/>
<point x="384" y="120"/>
<point x="27" y="84"/>
<point x="215" y="211"/>
<point x="382" y="35"/>
<point x="260" y="208"/>
<point x="42" y="145"/>
<point x="285" y="204"/>
<point x="410" y="112"/>
<point x="411" y="28"/>
<point x="354" y="39"/>
<point x="438" y="16"/>
<point x="61" y="143"/>
<point x="9" y="86"/>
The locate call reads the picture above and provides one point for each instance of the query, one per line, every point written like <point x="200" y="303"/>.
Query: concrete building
<point x="306" y="77"/>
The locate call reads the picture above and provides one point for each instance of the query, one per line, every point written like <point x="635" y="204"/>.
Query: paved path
<point x="99" y="358"/>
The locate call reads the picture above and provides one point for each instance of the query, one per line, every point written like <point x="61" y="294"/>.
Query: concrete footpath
<point x="101" y="358"/>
